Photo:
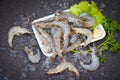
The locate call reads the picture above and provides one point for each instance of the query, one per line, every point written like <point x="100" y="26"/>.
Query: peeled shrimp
<point x="87" y="20"/>
<point x="94" y="61"/>
<point x="85" y="32"/>
<point x="34" y="58"/>
<point x="62" y="66"/>
<point x="16" y="30"/>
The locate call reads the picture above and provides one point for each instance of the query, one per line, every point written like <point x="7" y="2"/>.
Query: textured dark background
<point x="14" y="64"/>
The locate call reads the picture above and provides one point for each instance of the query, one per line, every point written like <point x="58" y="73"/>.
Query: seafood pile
<point x="65" y="32"/>
<point x="61" y="34"/>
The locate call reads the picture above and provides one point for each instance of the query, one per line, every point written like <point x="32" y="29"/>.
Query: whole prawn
<point x="94" y="61"/>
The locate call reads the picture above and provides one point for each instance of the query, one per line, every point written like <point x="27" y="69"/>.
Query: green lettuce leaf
<point x="92" y="9"/>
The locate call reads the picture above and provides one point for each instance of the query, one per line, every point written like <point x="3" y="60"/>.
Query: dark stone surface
<point x="14" y="64"/>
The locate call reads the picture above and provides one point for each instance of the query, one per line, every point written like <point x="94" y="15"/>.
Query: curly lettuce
<point x="78" y="8"/>
<point x="92" y="9"/>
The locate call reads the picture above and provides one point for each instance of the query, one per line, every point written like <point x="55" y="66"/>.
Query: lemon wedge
<point x="97" y="32"/>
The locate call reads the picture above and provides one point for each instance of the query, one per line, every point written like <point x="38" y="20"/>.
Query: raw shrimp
<point x="16" y="30"/>
<point x="45" y="45"/>
<point x="85" y="32"/>
<point x="62" y="66"/>
<point x="94" y="61"/>
<point x="62" y="16"/>
<point x="87" y="20"/>
<point x="48" y="37"/>
<point x="57" y="41"/>
<point x="64" y="26"/>
<point x="66" y="30"/>
<point x="34" y="58"/>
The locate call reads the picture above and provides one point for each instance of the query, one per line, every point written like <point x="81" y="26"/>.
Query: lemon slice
<point x="97" y="32"/>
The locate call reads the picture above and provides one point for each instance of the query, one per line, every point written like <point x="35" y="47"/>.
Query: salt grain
<point x="31" y="68"/>
<point x="13" y="53"/>
<point x="6" y="77"/>
<point x="23" y="74"/>
<point x="46" y="63"/>
<point x="33" y="42"/>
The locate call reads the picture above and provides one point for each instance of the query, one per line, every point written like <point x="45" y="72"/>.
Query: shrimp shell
<point x="62" y="66"/>
<point x="16" y="30"/>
